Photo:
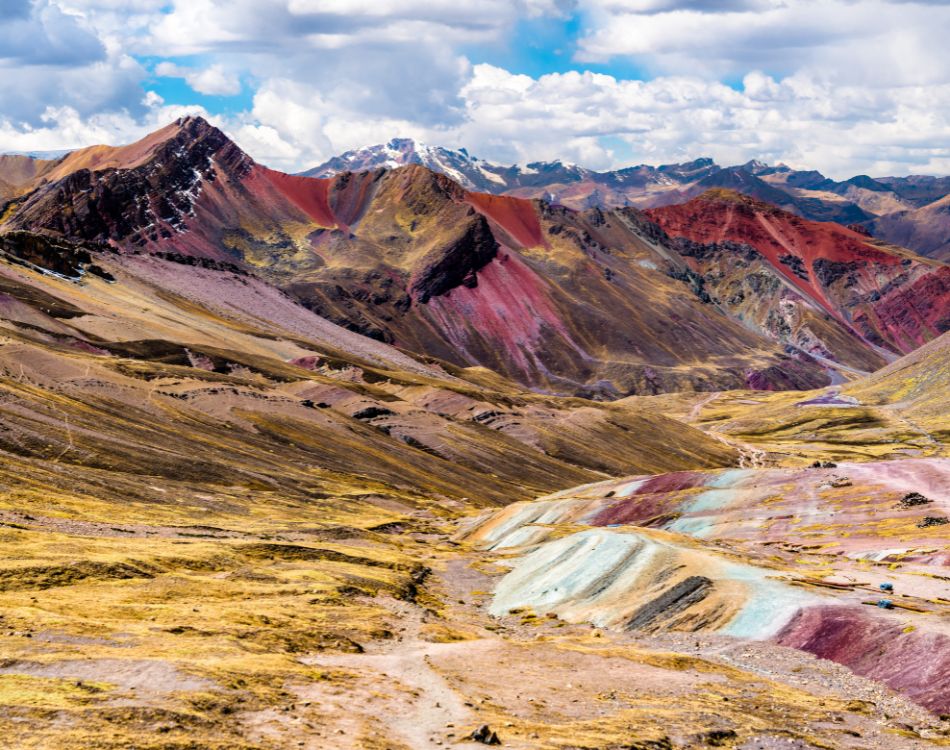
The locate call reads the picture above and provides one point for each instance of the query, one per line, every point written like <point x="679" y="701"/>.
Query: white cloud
<point x="872" y="42"/>
<point x="845" y="86"/>
<point x="51" y="57"/>
<point x="799" y="120"/>
<point x="64" y="128"/>
<point x="213" y="80"/>
<point x="252" y="26"/>
<point x="41" y="33"/>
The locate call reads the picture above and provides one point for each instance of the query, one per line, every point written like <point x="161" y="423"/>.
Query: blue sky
<point x="845" y="86"/>
<point x="547" y="44"/>
<point x="176" y="90"/>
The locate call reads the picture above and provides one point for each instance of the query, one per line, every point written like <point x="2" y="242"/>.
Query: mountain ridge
<point x="860" y="199"/>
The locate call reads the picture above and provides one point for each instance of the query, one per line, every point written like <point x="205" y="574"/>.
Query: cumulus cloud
<point x="41" y="33"/>
<point x="64" y="127"/>
<point x="213" y="80"/>
<point x="867" y="41"/>
<point x="51" y="57"/>
<point x="846" y="86"/>
<point x="800" y="120"/>
<point x="200" y="26"/>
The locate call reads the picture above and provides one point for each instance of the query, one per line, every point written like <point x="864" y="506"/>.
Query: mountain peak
<point x="724" y="195"/>
<point x="470" y="172"/>
<point x="728" y="195"/>
<point x="197" y="120"/>
<point x="194" y="127"/>
<point x="695" y="169"/>
<point x="401" y="144"/>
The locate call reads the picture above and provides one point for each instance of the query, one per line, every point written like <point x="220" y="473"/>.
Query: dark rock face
<point x="696" y="282"/>
<point x="912" y="499"/>
<point x="644" y="225"/>
<point x="371" y="412"/>
<point x="486" y="735"/>
<point x="144" y="203"/>
<point x="829" y="271"/>
<point x="717" y="738"/>
<point x="860" y="229"/>
<point x="704" y="251"/>
<point x="194" y="261"/>
<point x="50" y="254"/>
<point x="675" y="599"/>
<point x="458" y="263"/>
<point x="796" y="264"/>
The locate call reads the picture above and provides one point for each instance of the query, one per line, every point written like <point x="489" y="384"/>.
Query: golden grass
<point x="236" y="612"/>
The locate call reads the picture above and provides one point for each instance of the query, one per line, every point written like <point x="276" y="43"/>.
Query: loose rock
<point x="914" y="498"/>
<point x="485" y="735"/>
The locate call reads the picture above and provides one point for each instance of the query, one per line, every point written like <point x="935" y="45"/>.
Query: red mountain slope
<point x="890" y="297"/>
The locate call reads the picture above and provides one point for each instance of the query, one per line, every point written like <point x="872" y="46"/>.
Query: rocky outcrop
<point x="51" y="254"/>
<point x="674" y="600"/>
<point x="146" y="203"/>
<point x="456" y="264"/>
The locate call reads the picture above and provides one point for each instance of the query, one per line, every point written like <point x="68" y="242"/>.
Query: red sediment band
<point x="517" y="216"/>
<point x="915" y="663"/>
<point x="309" y="194"/>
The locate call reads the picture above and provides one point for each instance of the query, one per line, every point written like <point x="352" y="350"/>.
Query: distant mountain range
<point x="909" y="211"/>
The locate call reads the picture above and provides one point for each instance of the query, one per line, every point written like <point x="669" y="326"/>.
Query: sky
<point x="844" y="86"/>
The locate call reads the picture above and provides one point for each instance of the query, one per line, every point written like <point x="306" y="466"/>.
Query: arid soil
<point x="541" y="683"/>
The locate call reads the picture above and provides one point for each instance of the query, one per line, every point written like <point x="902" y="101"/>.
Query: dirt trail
<point x="928" y="436"/>
<point x="437" y="706"/>
<point x="544" y="684"/>
<point x="406" y="660"/>
<point x="698" y="406"/>
<point x="750" y="457"/>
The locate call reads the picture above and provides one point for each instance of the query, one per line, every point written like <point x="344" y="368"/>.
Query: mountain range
<point x="591" y="302"/>
<point x="908" y="211"/>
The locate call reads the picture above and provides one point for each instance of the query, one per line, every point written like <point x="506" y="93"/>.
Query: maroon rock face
<point x="916" y="663"/>
<point x="882" y="297"/>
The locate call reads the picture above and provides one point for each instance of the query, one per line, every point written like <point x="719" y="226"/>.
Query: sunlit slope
<point x="897" y="412"/>
<point x="248" y="380"/>
<point x="887" y="297"/>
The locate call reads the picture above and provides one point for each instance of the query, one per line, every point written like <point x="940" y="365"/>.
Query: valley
<point x="377" y="458"/>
